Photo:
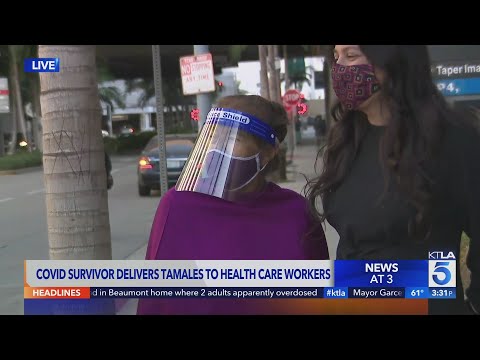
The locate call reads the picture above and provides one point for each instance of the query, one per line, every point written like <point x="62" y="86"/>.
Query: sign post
<point x="4" y="108"/>
<point x="290" y="100"/>
<point x="198" y="79"/>
<point x="197" y="74"/>
<point x="4" y="96"/>
<point x="162" y="152"/>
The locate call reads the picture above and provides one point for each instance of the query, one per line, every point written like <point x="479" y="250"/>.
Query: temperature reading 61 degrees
<point x="417" y="292"/>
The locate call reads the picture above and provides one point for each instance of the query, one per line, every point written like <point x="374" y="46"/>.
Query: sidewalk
<point x="129" y="306"/>
<point x="302" y="169"/>
<point x="302" y="166"/>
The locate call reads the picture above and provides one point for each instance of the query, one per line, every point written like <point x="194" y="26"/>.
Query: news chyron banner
<point x="91" y="286"/>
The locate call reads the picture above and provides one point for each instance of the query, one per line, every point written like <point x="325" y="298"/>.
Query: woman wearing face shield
<point x="401" y="173"/>
<point x="223" y="207"/>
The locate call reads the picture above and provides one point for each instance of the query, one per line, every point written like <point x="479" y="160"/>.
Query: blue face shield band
<point x="226" y="157"/>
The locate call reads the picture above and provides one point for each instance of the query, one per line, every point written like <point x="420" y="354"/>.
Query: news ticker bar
<point x="439" y="272"/>
<point x="240" y="292"/>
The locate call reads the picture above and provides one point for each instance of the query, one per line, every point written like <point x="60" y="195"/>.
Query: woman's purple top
<point x="270" y="225"/>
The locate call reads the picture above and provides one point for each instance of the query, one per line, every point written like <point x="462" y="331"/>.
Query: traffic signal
<point x="195" y="114"/>
<point x="219" y="85"/>
<point x="302" y="106"/>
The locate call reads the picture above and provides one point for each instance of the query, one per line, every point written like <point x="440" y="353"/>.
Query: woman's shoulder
<point x="180" y="197"/>
<point x="174" y="198"/>
<point x="169" y="195"/>
<point x="273" y="193"/>
<point x="287" y="193"/>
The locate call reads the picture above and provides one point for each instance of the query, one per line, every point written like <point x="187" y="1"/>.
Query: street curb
<point x="138" y="254"/>
<point x="21" y="171"/>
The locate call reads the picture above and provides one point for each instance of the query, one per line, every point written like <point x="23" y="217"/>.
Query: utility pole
<point x="204" y="100"/>
<point x="291" y="138"/>
<point x="162" y="156"/>
<point x="2" y="140"/>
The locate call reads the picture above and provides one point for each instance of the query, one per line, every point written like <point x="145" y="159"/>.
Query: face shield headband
<point x="245" y="122"/>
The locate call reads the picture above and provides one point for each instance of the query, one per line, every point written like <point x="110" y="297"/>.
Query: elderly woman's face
<point x="240" y="143"/>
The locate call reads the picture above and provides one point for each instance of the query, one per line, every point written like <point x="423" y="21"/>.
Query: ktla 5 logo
<point x="442" y="272"/>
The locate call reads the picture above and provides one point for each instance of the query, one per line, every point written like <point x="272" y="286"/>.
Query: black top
<point x="373" y="229"/>
<point x="108" y="164"/>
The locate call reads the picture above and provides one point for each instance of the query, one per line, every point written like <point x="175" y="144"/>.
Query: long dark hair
<point x="418" y="116"/>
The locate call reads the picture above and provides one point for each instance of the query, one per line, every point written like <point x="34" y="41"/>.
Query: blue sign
<point x="364" y="273"/>
<point x="41" y="65"/>
<point x="457" y="87"/>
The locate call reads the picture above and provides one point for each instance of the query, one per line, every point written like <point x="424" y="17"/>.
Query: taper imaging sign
<point x="457" y="78"/>
<point x="456" y="70"/>
<point x="197" y="74"/>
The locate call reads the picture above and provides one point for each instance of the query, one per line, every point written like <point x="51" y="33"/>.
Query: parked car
<point x="126" y="132"/>
<point x="177" y="152"/>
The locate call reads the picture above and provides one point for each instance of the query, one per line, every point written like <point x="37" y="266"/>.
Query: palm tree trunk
<point x="270" y="89"/>
<point x="291" y="126"/>
<point x="264" y="87"/>
<point x="277" y="74"/>
<point x="74" y="157"/>
<point x="37" y="114"/>
<point x="272" y="82"/>
<point x="13" y="144"/>
<point x="16" y="93"/>
<point x="285" y="60"/>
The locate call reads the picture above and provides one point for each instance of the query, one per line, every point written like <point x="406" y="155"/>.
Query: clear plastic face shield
<point x="227" y="154"/>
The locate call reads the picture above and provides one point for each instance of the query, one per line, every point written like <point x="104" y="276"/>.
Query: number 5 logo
<point x="442" y="274"/>
<point x="441" y="267"/>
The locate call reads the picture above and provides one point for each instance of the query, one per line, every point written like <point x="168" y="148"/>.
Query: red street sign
<point x="292" y="97"/>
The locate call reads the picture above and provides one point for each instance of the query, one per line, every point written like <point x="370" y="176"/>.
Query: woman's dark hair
<point x="412" y="137"/>
<point x="270" y="112"/>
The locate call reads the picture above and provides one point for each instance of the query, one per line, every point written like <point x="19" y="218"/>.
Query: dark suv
<point x="177" y="151"/>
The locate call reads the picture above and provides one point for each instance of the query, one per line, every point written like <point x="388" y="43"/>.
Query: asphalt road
<point x="23" y="224"/>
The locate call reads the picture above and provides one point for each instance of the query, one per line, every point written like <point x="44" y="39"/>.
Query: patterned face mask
<point x="354" y="84"/>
